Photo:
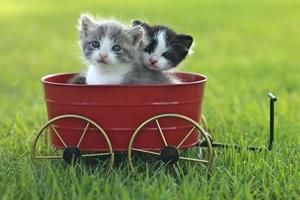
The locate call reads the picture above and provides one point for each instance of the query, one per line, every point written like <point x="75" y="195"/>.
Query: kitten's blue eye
<point x="116" y="48"/>
<point x="95" y="44"/>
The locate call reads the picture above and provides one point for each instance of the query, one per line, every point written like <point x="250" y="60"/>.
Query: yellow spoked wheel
<point x="70" y="153"/>
<point x="172" y="153"/>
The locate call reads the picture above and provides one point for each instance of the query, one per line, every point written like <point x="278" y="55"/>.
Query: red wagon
<point x="98" y="120"/>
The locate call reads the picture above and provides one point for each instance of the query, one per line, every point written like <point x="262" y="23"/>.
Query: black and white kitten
<point x="110" y="49"/>
<point x="160" y="50"/>
<point x="162" y="47"/>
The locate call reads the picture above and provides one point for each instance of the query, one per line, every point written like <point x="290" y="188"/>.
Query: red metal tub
<point x="120" y="109"/>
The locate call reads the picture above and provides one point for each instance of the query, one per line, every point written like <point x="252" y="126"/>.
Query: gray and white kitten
<point x="161" y="49"/>
<point x="110" y="49"/>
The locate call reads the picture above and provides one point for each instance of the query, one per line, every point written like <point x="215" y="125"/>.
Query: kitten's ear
<point x="140" y="23"/>
<point x="86" y="23"/>
<point x="185" y="40"/>
<point x="135" y="34"/>
<point x="137" y="23"/>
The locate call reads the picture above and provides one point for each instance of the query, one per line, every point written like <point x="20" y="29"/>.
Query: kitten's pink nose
<point x="153" y="61"/>
<point x="103" y="56"/>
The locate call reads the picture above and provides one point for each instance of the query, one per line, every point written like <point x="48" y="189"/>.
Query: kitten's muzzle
<point x="153" y="61"/>
<point x="103" y="57"/>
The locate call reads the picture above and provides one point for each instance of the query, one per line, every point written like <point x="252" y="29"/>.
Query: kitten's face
<point x="163" y="49"/>
<point x="108" y="44"/>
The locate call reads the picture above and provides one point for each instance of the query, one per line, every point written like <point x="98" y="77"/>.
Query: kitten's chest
<point x="95" y="76"/>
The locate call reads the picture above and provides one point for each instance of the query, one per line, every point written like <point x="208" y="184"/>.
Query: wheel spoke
<point x="184" y="139"/>
<point x="83" y="134"/>
<point x="193" y="159"/>
<point x="96" y="154"/>
<point x="204" y="122"/>
<point x="146" y="151"/>
<point x="57" y="134"/>
<point x="46" y="137"/>
<point x="48" y="157"/>
<point x="161" y="133"/>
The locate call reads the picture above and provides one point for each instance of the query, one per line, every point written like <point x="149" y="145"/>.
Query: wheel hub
<point x="169" y="155"/>
<point x="71" y="154"/>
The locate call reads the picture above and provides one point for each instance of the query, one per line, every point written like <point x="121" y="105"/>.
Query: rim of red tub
<point x="45" y="80"/>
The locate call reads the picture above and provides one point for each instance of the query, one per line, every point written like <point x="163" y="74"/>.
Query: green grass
<point x="246" y="48"/>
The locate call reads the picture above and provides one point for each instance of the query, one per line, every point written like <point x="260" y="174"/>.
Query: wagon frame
<point x="168" y="151"/>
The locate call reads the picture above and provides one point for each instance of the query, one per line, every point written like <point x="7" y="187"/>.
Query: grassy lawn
<point x="246" y="48"/>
